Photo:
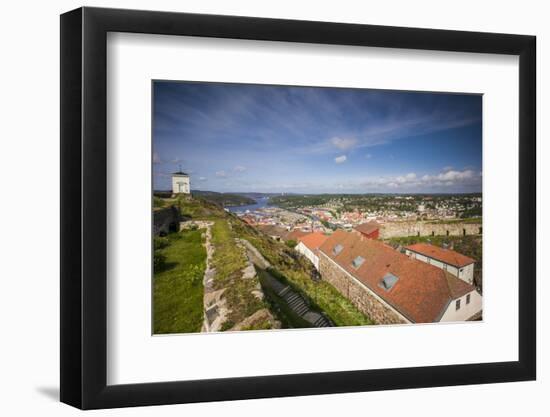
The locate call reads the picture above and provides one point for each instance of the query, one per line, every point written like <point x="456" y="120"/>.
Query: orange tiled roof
<point x="313" y="240"/>
<point x="296" y="234"/>
<point x="422" y="292"/>
<point x="368" y="227"/>
<point x="445" y="255"/>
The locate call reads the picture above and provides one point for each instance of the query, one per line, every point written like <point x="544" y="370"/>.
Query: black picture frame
<point x="84" y="207"/>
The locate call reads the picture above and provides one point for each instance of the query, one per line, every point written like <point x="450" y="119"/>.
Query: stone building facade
<point x="364" y="299"/>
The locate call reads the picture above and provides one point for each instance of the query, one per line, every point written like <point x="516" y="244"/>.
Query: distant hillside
<point x="223" y="199"/>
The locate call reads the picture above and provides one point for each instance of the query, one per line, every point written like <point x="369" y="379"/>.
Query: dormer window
<point x="337" y="249"/>
<point x="357" y="262"/>
<point x="388" y="281"/>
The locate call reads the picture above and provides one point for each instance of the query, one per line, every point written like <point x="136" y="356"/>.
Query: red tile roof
<point x="422" y="292"/>
<point x="367" y="228"/>
<point x="296" y="234"/>
<point x="313" y="240"/>
<point x="444" y="255"/>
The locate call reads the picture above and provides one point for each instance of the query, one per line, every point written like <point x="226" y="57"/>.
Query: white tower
<point x="180" y="183"/>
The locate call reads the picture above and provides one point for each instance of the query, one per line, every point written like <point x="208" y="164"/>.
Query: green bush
<point x="160" y="243"/>
<point x="291" y="243"/>
<point x="159" y="260"/>
<point x="158" y="202"/>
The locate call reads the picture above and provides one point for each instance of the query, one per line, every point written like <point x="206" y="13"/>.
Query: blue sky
<point x="244" y="138"/>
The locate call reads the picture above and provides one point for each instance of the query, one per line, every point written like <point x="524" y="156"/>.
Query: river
<point x="260" y="203"/>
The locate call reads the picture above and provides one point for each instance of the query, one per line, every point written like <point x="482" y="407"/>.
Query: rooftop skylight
<point x="357" y="262"/>
<point x="388" y="281"/>
<point x="337" y="249"/>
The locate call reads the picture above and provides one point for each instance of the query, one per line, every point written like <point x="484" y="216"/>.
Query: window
<point x="357" y="262"/>
<point x="457" y="305"/>
<point x="337" y="249"/>
<point x="468" y="299"/>
<point x="388" y="281"/>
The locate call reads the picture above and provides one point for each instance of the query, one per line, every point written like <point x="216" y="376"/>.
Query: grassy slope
<point x="178" y="290"/>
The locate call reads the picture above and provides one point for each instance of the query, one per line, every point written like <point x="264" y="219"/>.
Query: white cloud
<point x="340" y="159"/>
<point x="203" y="179"/>
<point x="412" y="180"/>
<point x="221" y="174"/>
<point x="448" y="168"/>
<point x="456" y="175"/>
<point x="239" y="168"/>
<point x="343" y="143"/>
<point x="156" y="158"/>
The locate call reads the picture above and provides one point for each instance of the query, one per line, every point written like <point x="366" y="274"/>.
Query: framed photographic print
<point x="257" y="208"/>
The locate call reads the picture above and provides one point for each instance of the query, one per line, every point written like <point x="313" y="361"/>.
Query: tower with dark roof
<point x="180" y="183"/>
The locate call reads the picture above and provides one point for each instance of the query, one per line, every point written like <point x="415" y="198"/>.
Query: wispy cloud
<point x="343" y="143"/>
<point x="340" y="159"/>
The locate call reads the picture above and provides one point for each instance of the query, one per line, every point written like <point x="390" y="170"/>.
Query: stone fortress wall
<point x="402" y="229"/>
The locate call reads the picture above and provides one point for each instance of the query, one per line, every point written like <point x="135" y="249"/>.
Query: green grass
<point x="229" y="260"/>
<point x="178" y="290"/>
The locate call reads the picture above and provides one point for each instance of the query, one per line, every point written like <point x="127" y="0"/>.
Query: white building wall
<point x="180" y="185"/>
<point x="304" y="250"/>
<point x="467" y="273"/>
<point x="466" y="310"/>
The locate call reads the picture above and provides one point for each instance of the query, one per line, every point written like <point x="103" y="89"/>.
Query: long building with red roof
<point x="459" y="265"/>
<point x="390" y="287"/>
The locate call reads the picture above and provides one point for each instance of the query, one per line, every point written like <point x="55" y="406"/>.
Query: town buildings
<point x="391" y="287"/>
<point x="459" y="265"/>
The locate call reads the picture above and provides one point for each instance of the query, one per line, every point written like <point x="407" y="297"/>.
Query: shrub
<point x="158" y="202"/>
<point x="227" y="325"/>
<point x="160" y="243"/>
<point x="291" y="243"/>
<point x="159" y="260"/>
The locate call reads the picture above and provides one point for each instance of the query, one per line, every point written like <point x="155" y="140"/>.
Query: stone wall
<point x="401" y="229"/>
<point x="166" y="220"/>
<point x="361" y="297"/>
